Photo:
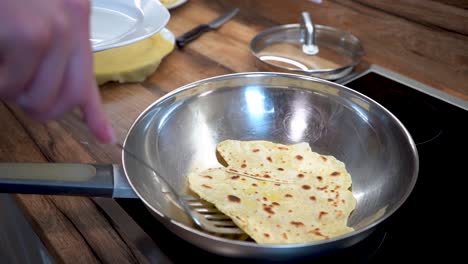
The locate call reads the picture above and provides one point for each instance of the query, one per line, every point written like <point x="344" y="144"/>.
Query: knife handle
<point x="184" y="39"/>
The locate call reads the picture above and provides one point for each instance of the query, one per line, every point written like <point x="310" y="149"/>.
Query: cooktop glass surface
<point x="425" y="224"/>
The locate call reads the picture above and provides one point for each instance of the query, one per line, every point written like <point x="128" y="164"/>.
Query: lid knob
<point x="308" y="35"/>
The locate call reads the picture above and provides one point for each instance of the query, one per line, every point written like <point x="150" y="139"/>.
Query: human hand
<point x="46" y="63"/>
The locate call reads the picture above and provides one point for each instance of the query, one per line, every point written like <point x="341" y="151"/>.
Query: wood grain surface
<point x="425" y="40"/>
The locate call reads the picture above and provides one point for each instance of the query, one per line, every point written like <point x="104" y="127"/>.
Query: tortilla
<point x="168" y="2"/>
<point x="282" y="163"/>
<point x="131" y="63"/>
<point x="311" y="207"/>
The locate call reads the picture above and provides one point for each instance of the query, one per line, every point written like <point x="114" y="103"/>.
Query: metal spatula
<point x="203" y="213"/>
<point x="208" y="217"/>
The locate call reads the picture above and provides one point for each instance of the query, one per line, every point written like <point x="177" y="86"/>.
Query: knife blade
<point x="196" y="32"/>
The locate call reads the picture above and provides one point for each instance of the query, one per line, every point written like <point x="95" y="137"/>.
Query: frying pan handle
<point x="65" y="179"/>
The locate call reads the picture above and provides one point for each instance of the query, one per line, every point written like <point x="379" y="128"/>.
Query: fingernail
<point x="112" y="138"/>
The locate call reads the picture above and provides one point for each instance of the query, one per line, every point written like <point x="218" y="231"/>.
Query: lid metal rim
<point x="274" y="29"/>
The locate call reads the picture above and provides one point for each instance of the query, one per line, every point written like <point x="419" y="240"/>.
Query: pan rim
<point x="354" y="233"/>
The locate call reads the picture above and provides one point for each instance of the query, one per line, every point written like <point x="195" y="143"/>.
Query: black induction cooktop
<point x="426" y="224"/>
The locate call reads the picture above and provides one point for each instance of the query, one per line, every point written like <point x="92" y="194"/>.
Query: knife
<point x="185" y="38"/>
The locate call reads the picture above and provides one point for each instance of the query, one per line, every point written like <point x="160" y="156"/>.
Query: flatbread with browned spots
<point x="314" y="206"/>
<point x="282" y="163"/>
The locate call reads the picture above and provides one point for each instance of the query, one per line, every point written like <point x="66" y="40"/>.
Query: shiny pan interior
<point x="180" y="131"/>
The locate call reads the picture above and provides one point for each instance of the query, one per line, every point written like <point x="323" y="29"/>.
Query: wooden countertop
<point x="425" y="40"/>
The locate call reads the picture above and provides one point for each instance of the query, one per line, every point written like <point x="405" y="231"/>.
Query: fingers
<point x="96" y="119"/>
<point x="44" y="89"/>
<point x="87" y="99"/>
<point x="61" y="75"/>
<point x="91" y="106"/>
<point x="68" y="97"/>
<point x="80" y="85"/>
<point x="23" y="46"/>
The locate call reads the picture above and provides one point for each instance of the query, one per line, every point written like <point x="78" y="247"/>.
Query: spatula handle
<point x="64" y="179"/>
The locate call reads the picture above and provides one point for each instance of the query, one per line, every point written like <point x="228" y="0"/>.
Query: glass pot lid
<point x="309" y="49"/>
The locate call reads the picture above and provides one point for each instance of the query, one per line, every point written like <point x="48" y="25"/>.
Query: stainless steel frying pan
<point x="180" y="131"/>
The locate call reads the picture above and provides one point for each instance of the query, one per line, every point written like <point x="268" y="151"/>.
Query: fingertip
<point x="111" y="137"/>
<point x="100" y="127"/>
<point x="97" y="121"/>
<point x="102" y="130"/>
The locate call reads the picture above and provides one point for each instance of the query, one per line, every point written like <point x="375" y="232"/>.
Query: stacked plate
<point x="121" y="22"/>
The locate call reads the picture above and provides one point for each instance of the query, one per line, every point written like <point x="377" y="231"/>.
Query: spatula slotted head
<point x="208" y="217"/>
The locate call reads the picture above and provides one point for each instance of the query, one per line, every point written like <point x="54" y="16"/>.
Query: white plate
<point x="176" y="4"/>
<point x="167" y="34"/>
<point x="121" y="22"/>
